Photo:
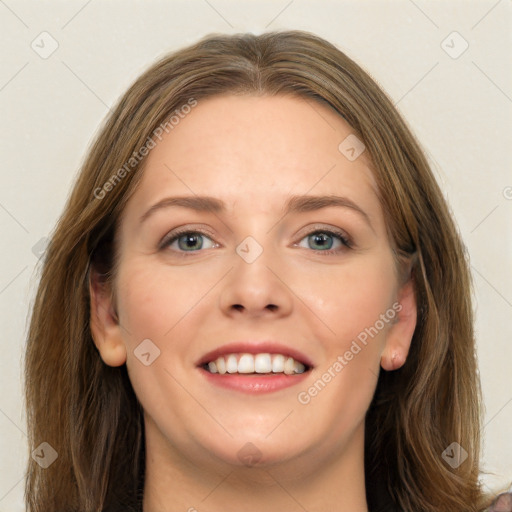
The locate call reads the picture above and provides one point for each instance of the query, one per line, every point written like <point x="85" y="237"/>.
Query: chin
<point x="256" y="452"/>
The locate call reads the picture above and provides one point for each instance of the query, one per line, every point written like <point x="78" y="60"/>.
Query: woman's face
<point x="257" y="260"/>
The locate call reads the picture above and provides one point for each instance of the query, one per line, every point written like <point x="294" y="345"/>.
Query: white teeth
<point x="288" y="366"/>
<point x="221" y="365"/>
<point x="232" y="364"/>
<point x="278" y="363"/>
<point x="263" y="363"/>
<point x="298" y="367"/>
<point x="246" y="364"/>
<point x="256" y="363"/>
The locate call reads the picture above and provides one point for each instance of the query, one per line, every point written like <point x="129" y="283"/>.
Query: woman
<point x="255" y="299"/>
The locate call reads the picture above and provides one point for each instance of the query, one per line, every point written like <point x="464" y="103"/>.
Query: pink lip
<point x="254" y="383"/>
<point x="255" y="347"/>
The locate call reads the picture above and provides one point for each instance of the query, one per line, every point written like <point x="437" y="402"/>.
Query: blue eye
<point x="187" y="241"/>
<point x="325" y="239"/>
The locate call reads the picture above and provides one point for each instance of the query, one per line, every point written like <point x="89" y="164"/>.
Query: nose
<point x="258" y="288"/>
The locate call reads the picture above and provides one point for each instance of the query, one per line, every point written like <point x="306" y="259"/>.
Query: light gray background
<point x="460" y="109"/>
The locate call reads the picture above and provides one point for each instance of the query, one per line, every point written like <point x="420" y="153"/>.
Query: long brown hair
<point x="88" y="412"/>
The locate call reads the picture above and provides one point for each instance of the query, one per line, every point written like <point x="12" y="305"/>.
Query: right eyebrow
<point x="198" y="203"/>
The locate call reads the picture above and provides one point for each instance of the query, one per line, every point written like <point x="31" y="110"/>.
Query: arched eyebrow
<point x="294" y="204"/>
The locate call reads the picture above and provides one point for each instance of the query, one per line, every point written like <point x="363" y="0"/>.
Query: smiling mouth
<point x="255" y="364"/>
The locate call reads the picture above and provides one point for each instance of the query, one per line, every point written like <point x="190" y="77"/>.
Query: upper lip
<point x="255" y="347"/>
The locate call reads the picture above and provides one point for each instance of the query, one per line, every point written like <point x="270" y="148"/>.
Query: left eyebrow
<point x="301" y="204"/>
<point x="294" y="204"/>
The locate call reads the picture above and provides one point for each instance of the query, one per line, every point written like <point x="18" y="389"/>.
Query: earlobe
<point x="104" y="323"/>
<point x="400" y="333"/>
<point x="393" y="361"/>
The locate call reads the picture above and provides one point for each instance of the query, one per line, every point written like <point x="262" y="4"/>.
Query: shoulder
<point x="502" y="503"/>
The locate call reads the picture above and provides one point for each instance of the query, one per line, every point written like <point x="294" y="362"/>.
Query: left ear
<point x="400" y="332"/>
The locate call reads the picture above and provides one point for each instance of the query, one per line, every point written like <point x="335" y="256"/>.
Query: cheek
<point x="355" y="301"/>
<point x="153" y="301"/>
<point x="351" y="299"/>
<point x="164" y="305"/>
<point x="345" y="381"/>
<point x="152" y="311"/>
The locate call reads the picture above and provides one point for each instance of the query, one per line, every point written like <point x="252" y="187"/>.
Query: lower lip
<point x="254" y="383"/>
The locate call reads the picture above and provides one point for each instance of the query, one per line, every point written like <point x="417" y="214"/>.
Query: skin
<point x="254" y="153"/>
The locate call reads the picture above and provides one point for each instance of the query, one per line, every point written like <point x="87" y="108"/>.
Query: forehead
<point x="254" y="151"/>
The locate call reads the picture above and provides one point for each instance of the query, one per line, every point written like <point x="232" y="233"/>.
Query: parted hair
<point x="88" y="412"/>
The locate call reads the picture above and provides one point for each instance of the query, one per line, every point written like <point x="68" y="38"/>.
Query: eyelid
<point x="345" y="238"/>
<point x="177" y="232"/>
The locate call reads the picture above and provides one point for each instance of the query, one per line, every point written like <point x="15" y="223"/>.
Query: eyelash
<point x="346" y="242"/>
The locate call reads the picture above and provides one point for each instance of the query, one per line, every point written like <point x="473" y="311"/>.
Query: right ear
<point x="105" y="328"/>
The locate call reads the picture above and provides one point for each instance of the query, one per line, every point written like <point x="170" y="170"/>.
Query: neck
<point x="174" y="483"/>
